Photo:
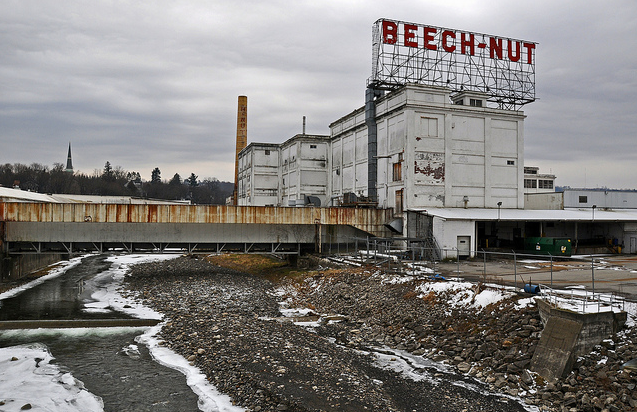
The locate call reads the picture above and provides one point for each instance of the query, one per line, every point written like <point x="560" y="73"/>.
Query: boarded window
<point x="397" y="172"/>
<point x="399" y="201"/>
<point x="428" y="127"/>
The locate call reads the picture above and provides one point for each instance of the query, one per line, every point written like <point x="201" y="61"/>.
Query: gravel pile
<point x="494" y="345"/>
<point x="229" y="325"/>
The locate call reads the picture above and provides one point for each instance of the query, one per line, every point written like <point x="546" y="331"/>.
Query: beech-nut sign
<point x="502" y="68"/>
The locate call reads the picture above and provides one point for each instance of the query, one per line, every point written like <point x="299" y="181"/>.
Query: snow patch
<point x="28" y="377"/>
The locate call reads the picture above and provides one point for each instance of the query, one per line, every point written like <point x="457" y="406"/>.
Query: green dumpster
<point x="556" y="246"/>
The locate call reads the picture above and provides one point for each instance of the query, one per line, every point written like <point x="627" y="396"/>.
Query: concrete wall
<point x="16" y="267"/>
<point x="544" y="201"/>
<point x="568" y="335"/>
<point x="595" y="326"/>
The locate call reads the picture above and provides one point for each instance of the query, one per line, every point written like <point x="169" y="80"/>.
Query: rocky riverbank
<point x="229" y="324"/>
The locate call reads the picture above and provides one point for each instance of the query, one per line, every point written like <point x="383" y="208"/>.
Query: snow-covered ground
<point x="28" y="381"/>
<point x="27" y="377"/>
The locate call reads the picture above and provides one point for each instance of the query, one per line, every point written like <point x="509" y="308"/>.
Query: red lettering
<point x="390" y="32"/>
<point x="529" y="52"/>
<point x="514" y="57"/>
<point x="445" y="35"/>
<point x="430" y="33"/>
<point x="467" y="43"/>
<point x="495" y="48"/>
<point x="410" y="35"/>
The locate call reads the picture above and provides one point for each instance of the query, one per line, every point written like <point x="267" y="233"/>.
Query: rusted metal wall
<point x="368" y="220"/>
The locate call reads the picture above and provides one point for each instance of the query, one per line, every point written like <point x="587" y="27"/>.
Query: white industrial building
<point x="434" y="150"/>
<point x="451" y="168"/>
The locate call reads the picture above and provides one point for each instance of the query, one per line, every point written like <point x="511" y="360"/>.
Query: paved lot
<point x="613" y="273"/>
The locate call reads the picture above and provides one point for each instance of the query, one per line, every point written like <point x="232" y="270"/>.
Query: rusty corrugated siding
<point x="369" y="220"/>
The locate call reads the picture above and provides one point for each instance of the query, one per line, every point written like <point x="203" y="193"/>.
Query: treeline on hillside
<point x="113" y="181"/>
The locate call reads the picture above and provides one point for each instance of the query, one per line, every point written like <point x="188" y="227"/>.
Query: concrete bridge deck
<point x="76" y="227"/>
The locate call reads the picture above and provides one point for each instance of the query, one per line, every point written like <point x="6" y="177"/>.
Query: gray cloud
<point x="146" y="84"/>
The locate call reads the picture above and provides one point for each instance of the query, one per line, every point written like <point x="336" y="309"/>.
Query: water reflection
<point x="96" y="357"/>
<point x="59" y="298"/>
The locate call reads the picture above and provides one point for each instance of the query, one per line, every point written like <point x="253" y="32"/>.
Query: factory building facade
<point x="435" y="149"/>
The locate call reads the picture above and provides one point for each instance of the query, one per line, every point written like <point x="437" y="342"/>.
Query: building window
<point x="399" y="201"/>
<point x="267" y="152"/>
<point x="583" y="199"/>
<point x="397" y="172"/>
<point x="475" y="102"/>
<point x="510" y="162"/>
<point x="312" y="146"/>
<point x="530" y="183"/>
<point x="545" y="184"/>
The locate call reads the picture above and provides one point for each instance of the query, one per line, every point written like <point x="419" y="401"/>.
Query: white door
<point x="633" y="245"/>
<point x="464" y="246"/>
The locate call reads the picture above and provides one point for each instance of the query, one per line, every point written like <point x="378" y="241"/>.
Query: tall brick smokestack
<point x="242" y="139"/>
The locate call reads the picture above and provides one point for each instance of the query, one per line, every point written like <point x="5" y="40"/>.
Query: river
<point x="110" y="362"/>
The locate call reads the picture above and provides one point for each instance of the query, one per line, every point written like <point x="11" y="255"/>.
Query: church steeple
<point x="69" y="162"/>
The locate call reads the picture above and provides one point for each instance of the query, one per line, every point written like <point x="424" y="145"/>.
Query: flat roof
<point x="583" y="215"/>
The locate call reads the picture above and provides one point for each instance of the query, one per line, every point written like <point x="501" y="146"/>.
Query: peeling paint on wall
<point x="429" y="168"/>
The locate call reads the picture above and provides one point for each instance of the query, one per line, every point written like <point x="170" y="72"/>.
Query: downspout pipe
<point x="372" y="142"/>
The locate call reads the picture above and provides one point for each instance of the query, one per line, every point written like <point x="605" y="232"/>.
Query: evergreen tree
<point x="192" y="180"/>
<point x="107" y="174"/>
<point x="155" y="176"/>
<point x="176" y="180"/>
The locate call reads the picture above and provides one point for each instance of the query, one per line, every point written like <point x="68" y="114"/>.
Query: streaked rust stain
<point x="365" y="219"/>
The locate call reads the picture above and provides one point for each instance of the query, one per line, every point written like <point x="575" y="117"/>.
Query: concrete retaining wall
<point x="568" y="335"/>
<point x="16" y="267"/>
<point x="595" y="326"/>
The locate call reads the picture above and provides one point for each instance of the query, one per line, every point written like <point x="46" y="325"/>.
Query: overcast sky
<point x="155" y="84"/>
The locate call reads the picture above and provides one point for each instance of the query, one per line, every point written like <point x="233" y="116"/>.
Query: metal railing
<point x="581" y="300"/>
<point x="413" y="256"/>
